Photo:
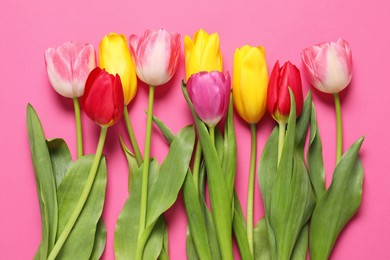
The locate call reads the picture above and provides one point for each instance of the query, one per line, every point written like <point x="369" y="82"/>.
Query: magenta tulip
<point x="328" y="66"/>
<point x="209" y="93"/>
<point x="156" y="56"/>
<point x="278" y="96"/>
<point x="103" y="98"/>
<point x="68" y="67"/>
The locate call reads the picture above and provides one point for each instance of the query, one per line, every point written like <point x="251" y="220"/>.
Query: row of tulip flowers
<point x="296" y="202"/>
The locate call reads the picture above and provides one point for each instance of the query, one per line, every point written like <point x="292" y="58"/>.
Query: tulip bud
<point x="250" y="82"/>
<point x="103" y="97"/>
<point x="209" y="93"/>
<point x="68" y="67"/>
<point x="156" y="56"/>
<point x="203" y="53"/>
<point x="114" y="57"/>
<point x="328" y="66"/>
<point x="278" y="97"/>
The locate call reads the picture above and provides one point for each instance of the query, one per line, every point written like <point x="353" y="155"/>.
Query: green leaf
<point x="154" y="245"/>
<point x="212" y="235"/>
<point x="219" y="196"/>
<point x="127" y="225"/>
<point x="131" y="161"/>
<point x="164" y="191"/>
<point x="164" y="255"/>
<point x="300" y="249"/>
<point x="60" y="158"/>
<point x="268" y="168"/>
<point x="80" y="241"/>
<point x="229" y="161"/>
<point x="262" y="250"/>
<point x="239" y="228"/>
<point x="45" y="182"/>
<point x="190" y="247"/>
<point x="196" y="222"/>
<point x="339" y="203"/>
<point x="288" y="196"/>
<point x="314" y="158"/>
<point x="100" y="240"/>
<point x="302" y="123"/>
<point x="168" y="135"/>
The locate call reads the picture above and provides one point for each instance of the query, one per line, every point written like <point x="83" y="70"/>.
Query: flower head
<point x="250" y="82"/>
<point x="203" y="53"/>
<point x="278" y="98"/>
<point x="209" y="93"/>
<point x="68" y="67"/>
<point x="328" y="66"/>
<point x="103" y="97"/>
<point x="114" y="57"/>
<point x="156" y="56"/>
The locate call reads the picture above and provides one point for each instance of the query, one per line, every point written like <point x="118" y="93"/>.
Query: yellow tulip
<point x="114" y="56"/>
<point x="250" y="82"/>
<point x="203" y="53"/>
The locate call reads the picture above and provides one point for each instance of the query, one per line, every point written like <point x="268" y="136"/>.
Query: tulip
<point x="278" y="96"/>
<point x="250" y="81"/>
<point x="156" y="56"/>
<point x="328" y="66"/>
<point x="68" y="67"/>
<point x="209" y="93"/>
<point x="203" y="53"/>
<point x="114" y="57"/>
<point x="103" y="97"/>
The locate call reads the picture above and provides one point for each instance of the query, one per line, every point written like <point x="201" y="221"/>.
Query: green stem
<point x="79" y="132"/>
<point x="83" y="197"/>
<point x="133" y="140"/>
<point x="339" y="145"/>
<point x="145" y="171"/>
<point x="212" y="134"/>
<point x="195" y="172"/>
<point x="251" y="188"/>
<point x="282" y="132"/>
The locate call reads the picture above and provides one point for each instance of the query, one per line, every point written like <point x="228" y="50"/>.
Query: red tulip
<point x="278" y="96"/>
<point x="209" y="93"/>
<point x="103" y="97"/>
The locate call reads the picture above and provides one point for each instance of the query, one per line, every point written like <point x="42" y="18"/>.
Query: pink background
<point x="284" y="28"/>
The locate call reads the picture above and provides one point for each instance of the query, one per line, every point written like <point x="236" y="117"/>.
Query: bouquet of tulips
<point x="301" y="215"/>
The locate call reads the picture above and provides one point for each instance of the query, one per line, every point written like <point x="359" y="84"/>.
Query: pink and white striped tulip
<point x="156" y="56"/>
<point x="68" y="67"/>
<point x="328" y="66"/>
<point x="209" y="93"/>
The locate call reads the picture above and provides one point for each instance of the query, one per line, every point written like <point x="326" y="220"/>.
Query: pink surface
<point x="284" y="29"/>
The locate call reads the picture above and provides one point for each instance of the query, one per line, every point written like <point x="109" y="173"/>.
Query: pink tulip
<point x="68" y="67"/>
<point x="209" y="93"/>
<point x="156" y="56"/>
<point x="328" y="65"/>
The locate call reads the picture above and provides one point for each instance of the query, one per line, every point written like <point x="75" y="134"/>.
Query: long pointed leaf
<point x="126" y="229"/>
<point x="219" y="196"/>
<point x="339" y="203"/>
<point x="45" y="182"/>
<point x="314" y="158"/>
<point x="60" y="158"/>
<point x="100" y="241"/>
<point x="80" y="241"/>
